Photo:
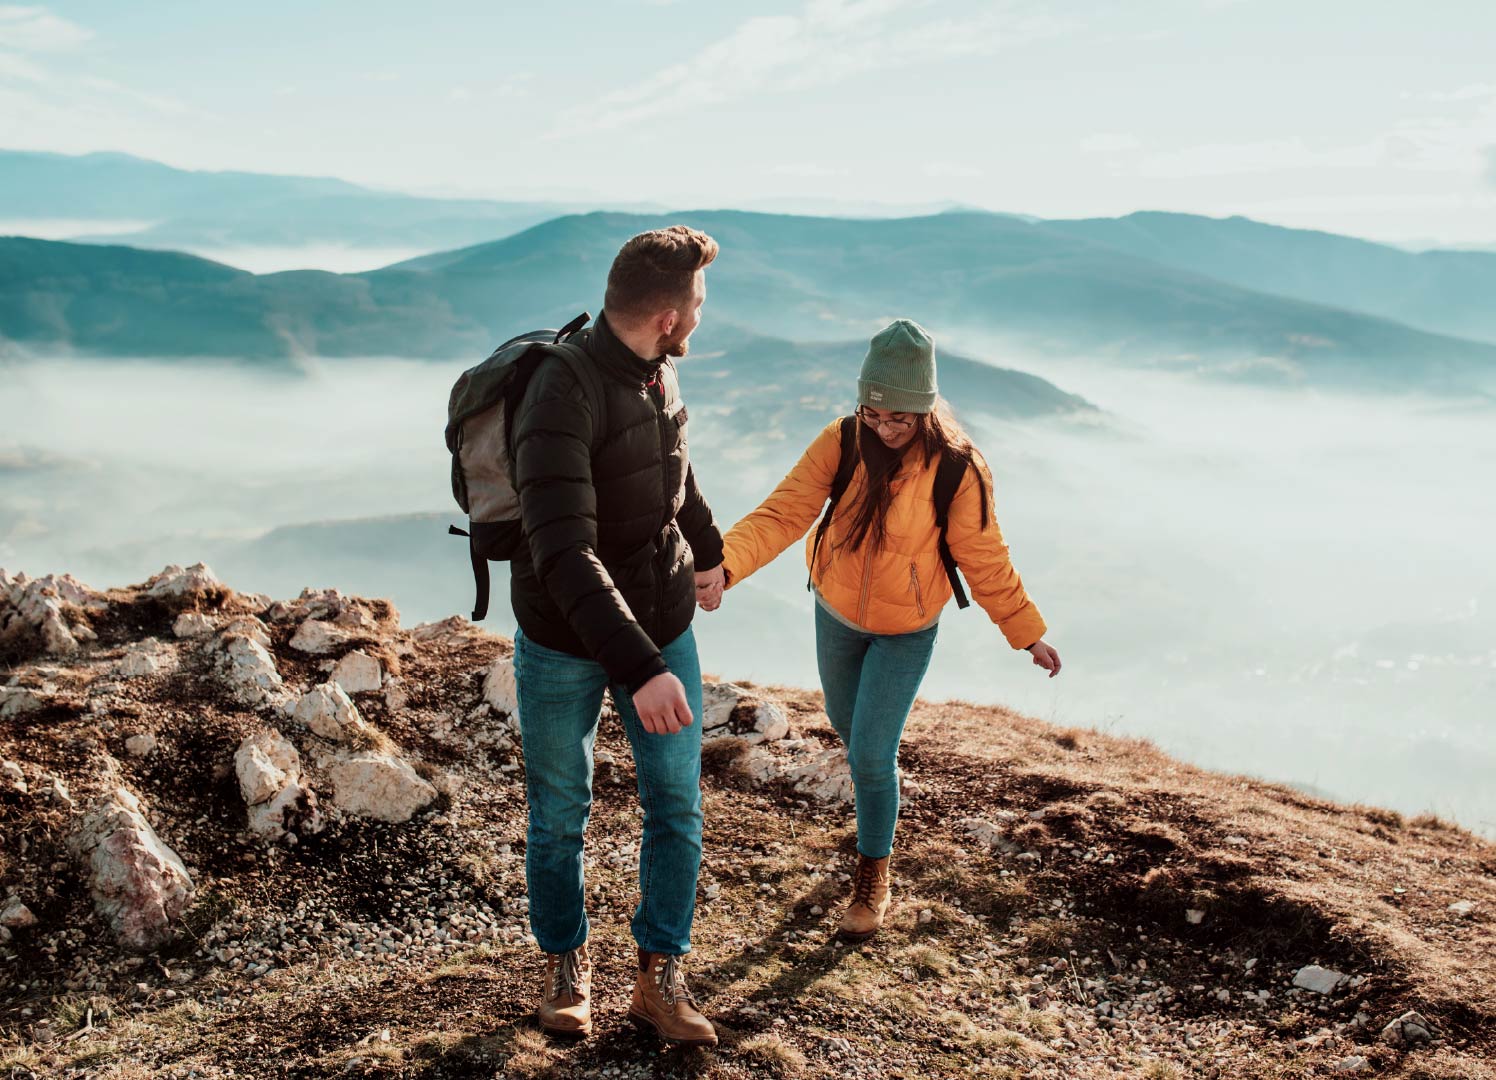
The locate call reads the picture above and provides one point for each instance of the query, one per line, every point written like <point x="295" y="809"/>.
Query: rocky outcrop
<point x="139" y="885"/>
<point x="45" y="614"/>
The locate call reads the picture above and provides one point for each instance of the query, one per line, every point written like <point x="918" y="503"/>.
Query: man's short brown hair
<point x="654" y="270"/>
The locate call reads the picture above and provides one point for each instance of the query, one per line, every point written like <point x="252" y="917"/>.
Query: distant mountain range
<point x="1039" y="287"/>
<point x="1450" y="292"/>
<point x="185" y="209"/>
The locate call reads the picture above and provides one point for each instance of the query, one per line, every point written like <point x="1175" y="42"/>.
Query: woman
<point x="879" y="577"/>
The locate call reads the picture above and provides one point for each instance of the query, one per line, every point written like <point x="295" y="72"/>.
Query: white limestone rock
<point x="317" y="637"/>
<point x="729" y="708"/>
<point x="180" y="587"/>
<point x="358" y="673"/>
<point x="44" y="612"/>
<point x="1318" y="980"/>
<point x="327" y="710"/>
<point x="141" y="745"/>
<point x="264" y="763"/>
<point x="249" y="671"/>
<point x="14" y="775"/>
<point x="139" y="885"/>
<point x="192" y="624"/>
<point x="378" y="785"/>
<point x="250" y="627"/>
<point x="1408" y="1030"/>
<point x="826" y="777"/>
<point x="147" y="657"/>
<point x="16" y="700"/>
<point x="499" y="688"/>
<point x="279" y="798"/>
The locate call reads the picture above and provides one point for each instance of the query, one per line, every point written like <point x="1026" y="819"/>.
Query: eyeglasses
<point x="875" y="423"/>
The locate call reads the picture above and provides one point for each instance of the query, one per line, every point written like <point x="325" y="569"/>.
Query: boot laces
<point x="672" y="981"/>
<point x="567" y="978"/>
<point x="867" y="881"/>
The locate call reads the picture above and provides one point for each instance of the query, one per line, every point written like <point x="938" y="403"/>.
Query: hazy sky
<point x="1372" y="118"/>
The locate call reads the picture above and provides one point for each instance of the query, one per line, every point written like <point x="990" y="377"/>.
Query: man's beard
<point x="673" y="347"/>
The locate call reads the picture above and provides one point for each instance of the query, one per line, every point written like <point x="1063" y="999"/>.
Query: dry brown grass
<point x="770" y="1052"/>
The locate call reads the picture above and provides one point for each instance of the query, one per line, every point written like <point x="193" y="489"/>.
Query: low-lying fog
<point x="1288" y="584"/>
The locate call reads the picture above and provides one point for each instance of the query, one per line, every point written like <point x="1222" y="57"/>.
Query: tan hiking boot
<point x="566" y="1003"/>
<point x="664" y="1005"/>
<point x="870" y="900"/>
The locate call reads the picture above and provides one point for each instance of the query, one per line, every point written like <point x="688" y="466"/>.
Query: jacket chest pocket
<point x="674" y="422"/>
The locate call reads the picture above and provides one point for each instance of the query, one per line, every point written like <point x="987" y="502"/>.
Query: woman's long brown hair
<point x="937" y="434"/>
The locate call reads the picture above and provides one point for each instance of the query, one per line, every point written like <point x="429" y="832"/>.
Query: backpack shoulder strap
<point x="948" y="476"/>
<point x="581" y="364"/>
<point x="845" y="467"/>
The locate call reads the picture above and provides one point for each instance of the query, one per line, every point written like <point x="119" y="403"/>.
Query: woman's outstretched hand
<point x="709" y="585"/>
<point x="1046" y="657"/>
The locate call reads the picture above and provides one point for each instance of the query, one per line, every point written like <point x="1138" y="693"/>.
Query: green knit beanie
<point x="899" y="372"/>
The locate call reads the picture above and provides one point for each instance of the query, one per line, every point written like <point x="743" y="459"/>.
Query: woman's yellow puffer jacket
<point x="902" y="586"/>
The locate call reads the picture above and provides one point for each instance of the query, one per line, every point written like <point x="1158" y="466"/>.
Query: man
<point x="619" y="537"/>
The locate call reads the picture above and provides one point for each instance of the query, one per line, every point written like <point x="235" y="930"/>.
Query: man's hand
<point x="661" y="704"/>
<point x="1046" y="657"/>
<point x="709" y="585"/>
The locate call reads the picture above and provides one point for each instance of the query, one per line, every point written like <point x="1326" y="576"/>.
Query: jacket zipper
<point x="918" y="600"/>
<point x="660" y="420"/>
<point x="867" y="581"/>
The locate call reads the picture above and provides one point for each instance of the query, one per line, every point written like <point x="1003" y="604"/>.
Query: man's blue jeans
<point x="560" y="698"/>
<point x="870" y="682"/>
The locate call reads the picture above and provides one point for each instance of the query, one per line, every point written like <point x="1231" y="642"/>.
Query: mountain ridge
<point x="1065" y="901"/>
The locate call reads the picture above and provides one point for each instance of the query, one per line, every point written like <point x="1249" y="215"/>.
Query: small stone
<point x="1194" y="916"/>
<point x="14" y="775"/>
<point x="1462" y="908"/>
<point x="1354" y="1063"/>
<point x="142" y="745"/>
<point x="1318" y="980"/>
<point x="926" y="916"/>
<point x="16" y="915"/>
<point x="1408" y="1030"/>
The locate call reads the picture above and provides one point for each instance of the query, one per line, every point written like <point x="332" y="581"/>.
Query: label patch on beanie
<point x="875" y="395"/>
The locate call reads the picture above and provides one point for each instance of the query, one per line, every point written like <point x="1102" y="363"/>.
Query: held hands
<point x="662" y="706"/>
<point x="709" y="585"/>
<point x="1046" y="657"/>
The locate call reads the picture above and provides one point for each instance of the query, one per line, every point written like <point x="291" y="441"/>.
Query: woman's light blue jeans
<point x="560" y="698"/>
<point x="870" y="682"/>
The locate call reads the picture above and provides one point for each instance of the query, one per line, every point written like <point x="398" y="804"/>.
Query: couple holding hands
<point x="622" y="547"/>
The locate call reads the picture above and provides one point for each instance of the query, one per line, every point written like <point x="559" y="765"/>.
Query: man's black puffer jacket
<point x="612" y="519"/>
